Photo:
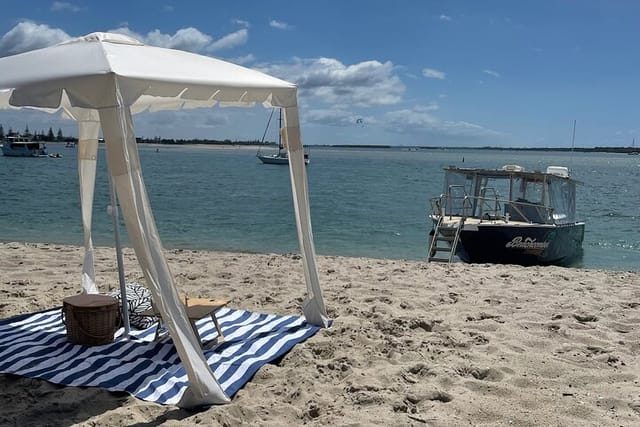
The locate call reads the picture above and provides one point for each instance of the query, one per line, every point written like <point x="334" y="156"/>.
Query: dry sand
<point x="412" y="343"/>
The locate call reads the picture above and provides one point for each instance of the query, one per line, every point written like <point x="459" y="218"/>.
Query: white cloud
<point x="491" y="73"/>
<point x="189" y="39"/>
<point x="445" y="18"/>
<point x="124" y="29"/>
<point x="28" y="35"/>
<point x="421" y="120"/>
<point x="62" y="6"/>
<point x="336" y="117"/>
<point x="167" y="124"/>
<point x="229" y="41"/>
<point x="330" y="81"/>
<point x="430" y="73"/>
<point x="241" y="60"/>
<point x="167" y="8"/>
<point x="416" y="118"/>
<point x="280" y="25"/>
<point x="241" y="22"/>
<point x="329" y="89"/>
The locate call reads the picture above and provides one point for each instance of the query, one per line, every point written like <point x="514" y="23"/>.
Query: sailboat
<point x="281" y="157"/>
<point x="633" y="151"/>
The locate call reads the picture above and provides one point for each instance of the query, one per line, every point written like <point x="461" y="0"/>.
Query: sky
<point x="406" y="72"/>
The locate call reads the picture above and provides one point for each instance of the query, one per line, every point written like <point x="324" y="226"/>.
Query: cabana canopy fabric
<point x="100" y="80"/>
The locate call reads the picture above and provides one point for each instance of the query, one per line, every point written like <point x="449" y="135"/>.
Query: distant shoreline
<point x="256" y="145"/>
<point x="625" y="150"/>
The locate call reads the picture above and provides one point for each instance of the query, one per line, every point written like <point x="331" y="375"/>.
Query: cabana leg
<point x="121" y="279"/>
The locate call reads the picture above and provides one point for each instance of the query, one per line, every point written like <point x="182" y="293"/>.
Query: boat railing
<point x="488" y="206"/>
<point x="488" y="203"/>
<point x="455" y="202"/>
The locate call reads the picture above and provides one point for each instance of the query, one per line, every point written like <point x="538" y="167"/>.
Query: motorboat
<point x="23" y="146"/>
<point x="280" y="157"/>
<point x="507" y="216"/>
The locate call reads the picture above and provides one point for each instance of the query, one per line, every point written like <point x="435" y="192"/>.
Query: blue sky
<point x="419" y="72"/>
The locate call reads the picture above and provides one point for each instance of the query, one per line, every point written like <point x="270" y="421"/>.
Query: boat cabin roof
<point x="18" y="138"/>
<point x="511" y="171"/>
<point x="21" y="140"/>
<point x="540" y="197"/>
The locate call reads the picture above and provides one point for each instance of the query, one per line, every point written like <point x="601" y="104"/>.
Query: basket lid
<point x="90" y="300"/>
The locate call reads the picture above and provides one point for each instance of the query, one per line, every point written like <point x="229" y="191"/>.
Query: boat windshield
<point x="562" y="196"/>
<point x="522" y="196"/>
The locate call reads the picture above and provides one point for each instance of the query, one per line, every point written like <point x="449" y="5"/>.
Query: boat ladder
<point x="451" y="242"/>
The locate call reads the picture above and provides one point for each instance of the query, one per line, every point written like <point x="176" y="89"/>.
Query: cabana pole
<point x="116" y="233"/>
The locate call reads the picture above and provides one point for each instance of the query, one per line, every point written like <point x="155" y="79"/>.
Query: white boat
<point x="22" y="146"/>
<point x="280" y="157"/>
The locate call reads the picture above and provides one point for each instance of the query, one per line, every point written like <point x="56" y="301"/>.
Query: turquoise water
<point x="364" y="202"/>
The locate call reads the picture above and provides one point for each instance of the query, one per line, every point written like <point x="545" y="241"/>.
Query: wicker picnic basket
<point x="91" y="319"/>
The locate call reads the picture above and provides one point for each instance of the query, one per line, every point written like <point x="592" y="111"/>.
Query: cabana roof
<point x="150" y="77"/>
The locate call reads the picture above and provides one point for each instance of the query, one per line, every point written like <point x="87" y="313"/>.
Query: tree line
<point x="172" y="141"/>
<point x="48" y="136"/>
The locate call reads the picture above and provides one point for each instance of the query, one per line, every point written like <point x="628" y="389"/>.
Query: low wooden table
<point x="197" y="308"/>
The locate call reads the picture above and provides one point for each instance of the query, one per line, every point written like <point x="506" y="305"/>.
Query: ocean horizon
<point x="365" y="202"/>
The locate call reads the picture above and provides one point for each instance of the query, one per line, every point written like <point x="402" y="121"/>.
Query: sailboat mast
<point x="267" y="128"/>
<point x="280" y="131"/>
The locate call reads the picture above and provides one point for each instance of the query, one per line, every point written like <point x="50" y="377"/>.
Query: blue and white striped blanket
<point x="35" y="346"/>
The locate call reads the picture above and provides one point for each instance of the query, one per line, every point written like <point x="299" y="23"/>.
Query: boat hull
<point x="274" y="160"/>
<point x="23" y="153"/>
<point x="12" y="154"/>
<point x="278" y="159"/>
<point x="534" y="244"/>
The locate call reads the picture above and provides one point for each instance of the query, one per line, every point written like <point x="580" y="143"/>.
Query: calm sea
<point x="364" y="202"/>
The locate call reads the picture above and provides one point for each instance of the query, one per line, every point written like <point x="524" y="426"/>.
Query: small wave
<point x="615" y="214"/>
<point x="618" y="245"/>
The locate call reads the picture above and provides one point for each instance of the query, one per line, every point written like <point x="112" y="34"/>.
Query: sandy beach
<point x="412" y="343"/>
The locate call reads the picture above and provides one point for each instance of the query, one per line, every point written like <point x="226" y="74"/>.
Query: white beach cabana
<point x="100" y="80"/>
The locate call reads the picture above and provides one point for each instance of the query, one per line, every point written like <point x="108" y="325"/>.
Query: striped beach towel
<point x="35" y="346"/>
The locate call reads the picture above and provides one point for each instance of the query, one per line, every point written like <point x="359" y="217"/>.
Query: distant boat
<point x="23" y="146"/>
<point x="281" y="157"/>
